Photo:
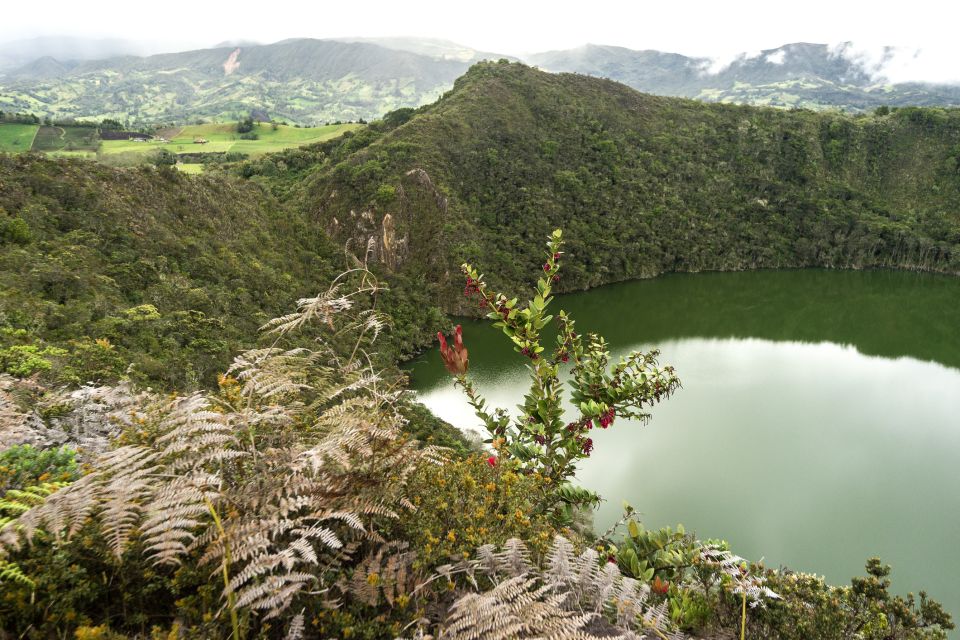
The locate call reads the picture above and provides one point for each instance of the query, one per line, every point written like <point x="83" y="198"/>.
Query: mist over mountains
<point x="313" y="81"/>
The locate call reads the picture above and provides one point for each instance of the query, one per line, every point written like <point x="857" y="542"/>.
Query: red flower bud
<point x="660" y="586"/>
<point x="546" y="266"/>
<point x="492" y="461"/>
<point x="455" y="358"/>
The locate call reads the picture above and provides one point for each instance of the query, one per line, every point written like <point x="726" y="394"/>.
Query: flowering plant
<point x="540" y="440"/>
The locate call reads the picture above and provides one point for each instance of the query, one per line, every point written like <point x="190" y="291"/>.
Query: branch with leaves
<point x="540" y="439"/>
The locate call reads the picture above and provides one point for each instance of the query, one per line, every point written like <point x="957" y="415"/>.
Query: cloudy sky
<point x="923" y="30"/>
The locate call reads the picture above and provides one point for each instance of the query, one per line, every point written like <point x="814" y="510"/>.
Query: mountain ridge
<point x="312" y="81"/>
<point x="641" y="184"/>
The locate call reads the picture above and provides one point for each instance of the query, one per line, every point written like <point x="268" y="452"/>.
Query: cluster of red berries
<point x="547" y="267"/>
<point x="573" y="427"/>
<point x="502" y="307"/>
<point x="527" y="351"/>
<point x="472" y="287"/>
<point x="587" y="445"/>
<point x="607" y="419"/>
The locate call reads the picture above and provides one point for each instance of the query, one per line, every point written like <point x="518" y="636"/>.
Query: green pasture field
<point x="224" y="138"/>
<point x="15" y="138"/>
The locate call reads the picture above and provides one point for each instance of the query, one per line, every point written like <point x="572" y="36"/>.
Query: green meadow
<point x="223" y="137"/>
<point x="84" y="142"/>
<point x="15" y="138"/>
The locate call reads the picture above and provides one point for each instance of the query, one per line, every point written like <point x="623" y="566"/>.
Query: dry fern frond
<point x="275" y="486"/>
<point x="571" y="596"/>
<point x="519" y="607"/>
<point x="386" y="572"/>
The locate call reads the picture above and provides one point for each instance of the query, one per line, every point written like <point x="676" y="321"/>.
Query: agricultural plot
<point x="223" y="138"/>
<point x="15" y="138"/>
<point x="66" y="139"/>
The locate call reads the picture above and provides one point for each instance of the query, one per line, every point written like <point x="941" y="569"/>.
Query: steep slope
<point x="641" y="184"/>
<point x="795" y="75"/>
<point x="174" y="273"/>
<point x="307" y="81"/>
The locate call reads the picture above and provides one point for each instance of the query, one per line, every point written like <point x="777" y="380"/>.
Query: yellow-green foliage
<point x="100" y="632"/>
<point x="466" y="503"/>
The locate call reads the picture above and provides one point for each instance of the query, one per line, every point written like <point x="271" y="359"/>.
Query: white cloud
<point x="934" y="63"/>
<point x="777" y="57"/>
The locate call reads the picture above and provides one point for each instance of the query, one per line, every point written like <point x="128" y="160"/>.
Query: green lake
<point x="818" y="423"/>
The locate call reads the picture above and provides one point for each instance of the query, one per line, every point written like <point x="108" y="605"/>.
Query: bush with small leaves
<point x="466" y="503"/>
<point x="540" y="439"/>
<point x="23" y="465"/>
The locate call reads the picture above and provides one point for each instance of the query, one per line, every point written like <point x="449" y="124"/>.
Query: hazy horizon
<point x="902" y="46"/>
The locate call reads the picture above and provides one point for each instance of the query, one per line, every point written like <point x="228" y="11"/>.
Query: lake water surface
<point x="818" y="423"/>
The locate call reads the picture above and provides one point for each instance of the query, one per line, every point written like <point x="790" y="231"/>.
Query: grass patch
<point x="190" y="168"/>
<point x="15" y="138"/>
<point x="223" y="137"/>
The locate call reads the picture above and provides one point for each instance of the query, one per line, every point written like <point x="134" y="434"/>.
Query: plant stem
<point x="743" y="617"/>
<point x="224" y="566"/>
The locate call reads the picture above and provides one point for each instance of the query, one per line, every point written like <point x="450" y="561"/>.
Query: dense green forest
<point x="643" y="184"/>
<point x="103" y="267"/>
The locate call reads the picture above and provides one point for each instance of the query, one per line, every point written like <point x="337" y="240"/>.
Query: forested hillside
<point x="643" y="184"/>
<point x="103" y="267"/>
<point x="166" y="270"/>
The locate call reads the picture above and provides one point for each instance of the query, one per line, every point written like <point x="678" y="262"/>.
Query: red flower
<point x="454" y="358"/>
<point x="588" y="446"/>
<point x="546" y="266"/>
<point x="492" y="461"/>
<point x="660" y="586"/>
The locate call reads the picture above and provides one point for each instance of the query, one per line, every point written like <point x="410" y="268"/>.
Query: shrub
<point x="22" y="466"/>
<point x="15" y="231"/>
<point x="27" y="359"/>
<point x="539" y="439"/>
<point x="464" y="504"/>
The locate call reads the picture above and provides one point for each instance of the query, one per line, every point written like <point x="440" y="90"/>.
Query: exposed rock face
<point x="232" y="63"/>
<point x="86" y="419"/>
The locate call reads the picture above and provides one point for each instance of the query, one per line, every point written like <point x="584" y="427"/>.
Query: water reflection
<point x="817" y="424"/>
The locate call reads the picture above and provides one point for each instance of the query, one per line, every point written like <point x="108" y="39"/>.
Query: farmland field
<point x="17" y="137"/>
<point x="224" y="138"/>
<point x="66" y="139"/>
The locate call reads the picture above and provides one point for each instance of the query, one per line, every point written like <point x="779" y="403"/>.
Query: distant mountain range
<point x="314" y="81"/>
<point x="815" y="76"/>
<point x="68" y="48"/>
<point x="303" y="80"/>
